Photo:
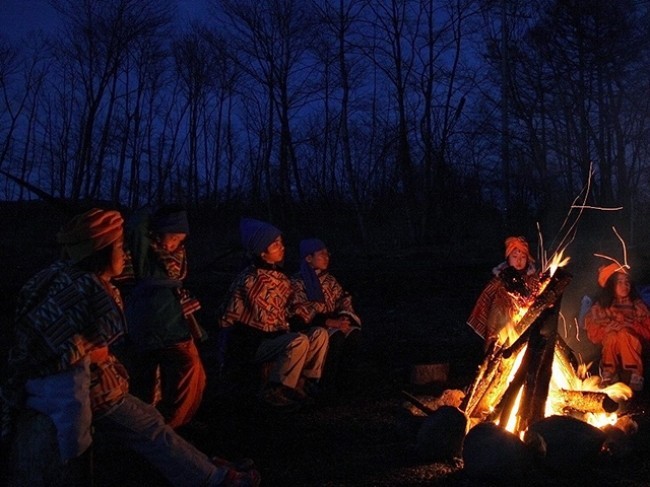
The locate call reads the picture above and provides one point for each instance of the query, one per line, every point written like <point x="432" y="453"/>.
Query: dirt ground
<point x="414" y="305"/>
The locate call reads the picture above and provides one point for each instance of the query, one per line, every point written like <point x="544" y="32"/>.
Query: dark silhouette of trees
<point x="417" y="113"/>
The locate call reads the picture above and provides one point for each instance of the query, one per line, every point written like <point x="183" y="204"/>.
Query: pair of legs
<point x="621" y="352"/>
<point x="172" y="378"/>
<point x="140" y="428"/>
<point x="295" y="356"/>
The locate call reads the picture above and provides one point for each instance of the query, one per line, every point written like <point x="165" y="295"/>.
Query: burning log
<point x="538" y="332"/>
<point x="490" y="382"/>
<point x="547" y="298"/>
<point x="586" y="401"/>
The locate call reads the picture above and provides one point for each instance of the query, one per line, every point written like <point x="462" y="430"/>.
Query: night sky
<point x="20" y="17"/>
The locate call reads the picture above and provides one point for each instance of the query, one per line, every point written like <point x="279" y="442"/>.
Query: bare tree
<point x="96" y="39"/>
<point x="273" y="39"/>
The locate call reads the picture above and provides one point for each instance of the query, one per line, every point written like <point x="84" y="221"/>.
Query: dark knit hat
<point x="310" y="245"/>
<point x="256" y="235"/>
<point x="172" y="220"/>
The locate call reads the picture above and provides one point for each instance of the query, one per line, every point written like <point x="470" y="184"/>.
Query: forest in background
<point x="401" y="121"/>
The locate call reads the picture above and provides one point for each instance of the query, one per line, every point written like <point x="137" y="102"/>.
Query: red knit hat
<point x="607" y="271"/>
<point x="518" y="243"/>
<point x="89" y="232"/>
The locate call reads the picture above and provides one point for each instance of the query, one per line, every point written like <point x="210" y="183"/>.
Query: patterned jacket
<point x="258" y="298"/>
<point x="337" y="301"/>
<point x="64" y="315"/>
<point x="153" y="307"/>
<point x="495" y="306"/>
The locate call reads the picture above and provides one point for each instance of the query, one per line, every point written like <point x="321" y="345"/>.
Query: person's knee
<point x="300" y="344"/>
<point x="320" y="337"/>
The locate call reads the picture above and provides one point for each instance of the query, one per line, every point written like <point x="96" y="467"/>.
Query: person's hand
<point x="99" y="355"/>
<point x="344" y="324"/>
<point x="302" y="313"/>
<point x="341" y="323"/>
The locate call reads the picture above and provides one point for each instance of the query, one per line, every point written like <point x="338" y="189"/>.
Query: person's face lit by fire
<point x="115" y="266"/>
<point x="622" y="285"/>
<point x="319" y="260"/>
<point x="274" y="253"/>
<point x="171" y="241"/>
<point x="518" y="259"/>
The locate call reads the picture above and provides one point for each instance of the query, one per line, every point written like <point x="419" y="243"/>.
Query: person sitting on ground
<point x="255" y="318"/>
<point x="164" y="365"/>
<point x="319" y="300"/>
<point x="512" y="282"/>
<point x="619" y="321"/>
<point x="61" y="364"/>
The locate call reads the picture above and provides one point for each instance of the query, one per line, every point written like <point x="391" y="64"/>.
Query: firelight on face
<point x="518" y="259"/>
<point x="622" y="286"/>
<point x="274" y="252"/>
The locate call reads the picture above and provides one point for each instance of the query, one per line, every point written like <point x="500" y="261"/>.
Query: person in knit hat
<point x="254" y="322"/>
<point x="512" y="282"/>
<point x="164" y="362"/>
<point x="319" y="300"/>
<point x="68" y="316"/>
<point x="619" y="321"/>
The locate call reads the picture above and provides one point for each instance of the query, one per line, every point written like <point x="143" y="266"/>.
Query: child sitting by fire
<point x="254" y="322"/>
<point x="319" y="300"/>
<point x="498" y="303"/>
<point x="619" y="320"/>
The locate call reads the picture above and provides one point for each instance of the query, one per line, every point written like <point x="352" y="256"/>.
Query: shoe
<point x="274" y="396"/>
<point x="234" y="478"/>
<point x="241" y="464"/>
<point x="299" y="395"/>
<point x="636" y="382"/>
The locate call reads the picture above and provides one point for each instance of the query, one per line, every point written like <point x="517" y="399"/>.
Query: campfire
<point x="527" y="386"/>
<point x="529" y="374"/>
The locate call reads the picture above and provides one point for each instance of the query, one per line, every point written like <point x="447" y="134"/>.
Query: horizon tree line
<point x="428" y="113"/>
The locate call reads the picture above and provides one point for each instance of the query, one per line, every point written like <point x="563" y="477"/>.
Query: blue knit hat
<point x="256" y="235"/>
<point x="310" y="245"/>
<point x="313" y="287"/>
<point x="170" y="221"/>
